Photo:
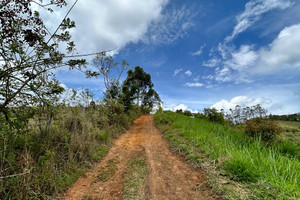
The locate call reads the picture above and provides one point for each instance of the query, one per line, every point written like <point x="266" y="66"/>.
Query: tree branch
<point x="62" y="21"/>
<point x="14" y="175"/>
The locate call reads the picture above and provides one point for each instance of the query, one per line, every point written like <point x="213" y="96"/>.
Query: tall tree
<point x="139" y="87"/>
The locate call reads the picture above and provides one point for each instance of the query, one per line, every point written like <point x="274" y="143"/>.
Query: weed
<point x="135" y="179"/>
<point x="105" y="173"/>
<point x="50" y="156"/>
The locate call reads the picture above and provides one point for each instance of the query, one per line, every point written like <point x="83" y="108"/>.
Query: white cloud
<point x="171" y="25"/>
<point x="188" y="73"/>
<point x="239" y="65"/>
<point x="176" y="71"/>
<point x="213" y="62"/>
<point x="243" y="58"/>
<point x="253" y="10"/>
<point x="180" y="107"/>
<point x="199" y="52"/>
<point x="223" y="75"/>
<point x="103" y="25"/>
<point x="197" y="78"/>
<point x="195" y="84"/>
<point x="243" y="101"/>
<point x="283" y="52"/>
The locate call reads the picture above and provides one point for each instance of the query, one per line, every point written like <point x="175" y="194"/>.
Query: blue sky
<point x="208" y="53"/>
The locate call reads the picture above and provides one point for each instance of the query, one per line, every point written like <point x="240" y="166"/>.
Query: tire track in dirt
<point x="169" y="177"/>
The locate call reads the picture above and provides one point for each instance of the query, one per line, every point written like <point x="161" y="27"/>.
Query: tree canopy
<point x="139" y="87"/>
<point x="29" y="53"/>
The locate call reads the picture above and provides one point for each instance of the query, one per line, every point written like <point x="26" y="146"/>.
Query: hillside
<point x="238" y="167"/>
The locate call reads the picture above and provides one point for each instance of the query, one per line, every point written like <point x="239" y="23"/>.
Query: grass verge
<point x="262" y="172"/>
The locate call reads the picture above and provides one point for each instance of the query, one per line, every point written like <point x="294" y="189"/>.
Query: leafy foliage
<point x="266" y="130"/>
<point x="111" y="72"/>
<point x="292" y="117"/>
<point x="28" y="53"/>
<point x="45" y="158"/>
<point x="213" y="115"/>
<point x="138" y="86"/>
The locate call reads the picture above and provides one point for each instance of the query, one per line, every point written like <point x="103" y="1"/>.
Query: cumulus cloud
<point x="283" y="52"/>
<point x="243" y="101"/>
<point x="242" y="58"/>
<point x="195" y="84"/>
<point x="103" y="25"/>
<point x="176" y="71"/>
<point x="253" y="10"/>
<point x="239" y="65"/>
<point x="180" y="107"/>
<point x="188" y="73"/>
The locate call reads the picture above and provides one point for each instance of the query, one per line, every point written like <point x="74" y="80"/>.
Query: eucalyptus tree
<point x="138" y="87"/>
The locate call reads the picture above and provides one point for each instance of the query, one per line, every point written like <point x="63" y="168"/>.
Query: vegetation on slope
<point x="39" y="162"/>
<point x="264" y="169"/>
<point x="47" y="141"/>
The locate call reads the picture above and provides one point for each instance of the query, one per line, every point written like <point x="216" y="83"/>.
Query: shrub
<point x="214" y="116"/>
<point x="187" y="113"/>
<point x="266" y="130"/>
<point x="199" y="115"/>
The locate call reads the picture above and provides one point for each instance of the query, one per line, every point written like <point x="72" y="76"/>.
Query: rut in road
<point x="169" y="177"/>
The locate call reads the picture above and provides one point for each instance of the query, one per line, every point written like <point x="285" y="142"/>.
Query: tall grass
<point x="47" y="156"/>
<point x="270" y="173"/>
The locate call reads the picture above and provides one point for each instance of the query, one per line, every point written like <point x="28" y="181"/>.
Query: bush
<point x="187" y="113"/>
<point x="266" y="130"/>
<point x="214" y="116"/>
<point x="199" y="115"/>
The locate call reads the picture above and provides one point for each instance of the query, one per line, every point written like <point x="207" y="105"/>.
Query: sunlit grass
<point x="263" y="167"/>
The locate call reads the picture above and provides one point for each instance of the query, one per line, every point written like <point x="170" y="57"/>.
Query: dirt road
<point x="169" y="177"/>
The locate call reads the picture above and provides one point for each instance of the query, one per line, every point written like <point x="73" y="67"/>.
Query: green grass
<point x="55" y="156"/>
<point x="291" y="131"/>
<point x="264" y="169"/>
<point x="135" y="179"/>
<point x="105" y="173"/>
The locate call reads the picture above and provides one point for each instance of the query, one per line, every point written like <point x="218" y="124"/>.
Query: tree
<point x="150" y="99"/>
<point x="214" y="116"/>
<point x="28" y="53"/>
<point x="240" y="115"/>
<point x="86" y="96"/>
<point x="111" y="72"/>
<point x="139" y="87"/>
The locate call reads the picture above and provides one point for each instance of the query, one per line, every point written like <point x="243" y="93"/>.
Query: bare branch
<point x="14" y="175"/>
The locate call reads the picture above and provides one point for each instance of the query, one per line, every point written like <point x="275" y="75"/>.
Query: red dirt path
<point x="169" y="177"/>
